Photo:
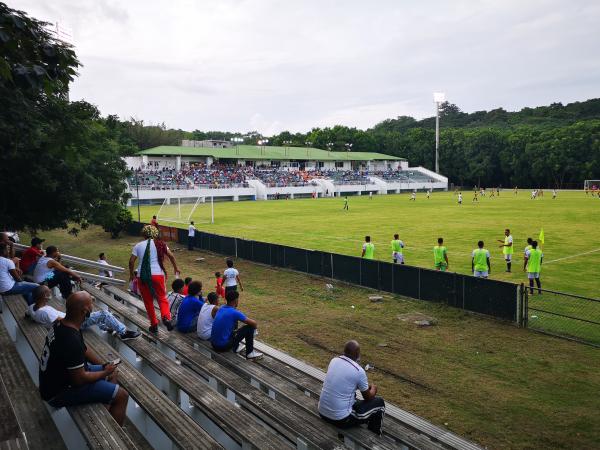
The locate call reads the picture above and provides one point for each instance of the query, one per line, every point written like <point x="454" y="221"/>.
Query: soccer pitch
<point x="570" y="223"/>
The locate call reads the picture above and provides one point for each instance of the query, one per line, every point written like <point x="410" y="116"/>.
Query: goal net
<point x="592" y="185"/>
<point x="183" y="210"/>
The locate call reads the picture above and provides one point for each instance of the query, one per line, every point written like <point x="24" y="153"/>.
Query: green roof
<point x="267" y="152"/>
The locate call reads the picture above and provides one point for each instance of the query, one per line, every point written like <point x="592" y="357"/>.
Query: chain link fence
<point x="564" y="315"/>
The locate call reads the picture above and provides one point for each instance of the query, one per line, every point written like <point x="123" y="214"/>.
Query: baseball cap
<point x="36" y="241"/>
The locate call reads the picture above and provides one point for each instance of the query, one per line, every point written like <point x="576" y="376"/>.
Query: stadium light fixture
<point x="329" y="146"/>
<point x="438" y="98"/>
<point x="348" y="149"/>
<point x="287" y="144"/>
<point x="308" y="144"/>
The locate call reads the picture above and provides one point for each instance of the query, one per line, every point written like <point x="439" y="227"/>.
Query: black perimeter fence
<point x="490" y="297"/>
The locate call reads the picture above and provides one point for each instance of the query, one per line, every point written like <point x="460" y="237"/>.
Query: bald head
<point x="352" y="350"/>
<point x="79" y="304"/>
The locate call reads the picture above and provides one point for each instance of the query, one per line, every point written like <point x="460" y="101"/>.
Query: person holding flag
<point x="507" y="248"/>
<point x="533" y="266"/>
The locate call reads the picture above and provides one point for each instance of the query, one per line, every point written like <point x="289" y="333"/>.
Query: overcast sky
<point x="274" y="65"/>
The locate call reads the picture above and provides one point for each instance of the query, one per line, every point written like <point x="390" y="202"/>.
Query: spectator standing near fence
<point x="51" y="272"/>
<point x="10" y="279"/>
<point x="533" y="266"/>
<point x="480" y="261"/>
<point x="30" y="257"/>
<point x="397" y="246"/>
<point x="368" y="249"/>
<point x="232" y="278"/>
<point x="507" y="248"/>
<point x="440" y="256"/>
<point x="191" y="235"/>
<point x="70" y="373"/>
<point x="151" y="253"/>
<point x="225" y="336"/>
<point x="338" y="404"/>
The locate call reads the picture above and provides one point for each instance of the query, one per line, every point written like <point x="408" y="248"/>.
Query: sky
<point x="274" y="65"/>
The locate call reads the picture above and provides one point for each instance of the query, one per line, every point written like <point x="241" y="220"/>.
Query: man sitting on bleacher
<point x="10" y="278"/>
<point x="46" y="315"/>
<point x="187" y="313"/>
<point x="224" y="335"/>
<point x="51" y="272"/>
<point x="338" y="404"/>
<point x="70" y="374"/>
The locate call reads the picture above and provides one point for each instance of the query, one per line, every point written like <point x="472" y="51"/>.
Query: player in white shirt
<point x="207" y="316"/>
<point x="460" y="198"/>
<point x="413" y="195"/>
<point x="231" y="278"/>
<point x="191" y="235"/>
<point x="553" y="194"/>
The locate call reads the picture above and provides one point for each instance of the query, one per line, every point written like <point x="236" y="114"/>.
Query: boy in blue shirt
<point x="225" y="337"/>
<point x="190" y="307"/>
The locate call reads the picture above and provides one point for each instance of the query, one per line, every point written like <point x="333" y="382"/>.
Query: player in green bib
<point x="368" y="249"/>
<point x="507" y="248"/>
<point x="440" y="256"/>
<point x="480" y="261"/>
<point x="533" y="266"/>
<point x="346" y="203"/>
<point x="397" y="246"/>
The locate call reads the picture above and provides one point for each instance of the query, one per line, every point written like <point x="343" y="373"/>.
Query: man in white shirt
<point x="10" y="278"/>
<point x="46" y="315"/>
<point x="191" y="235"/>
<point x="207" y="316"/>
<point x="338" y="404"/>
<point x="50" y="271"/>
<point x="102" y="272"/>
<point x="231" y="278"/>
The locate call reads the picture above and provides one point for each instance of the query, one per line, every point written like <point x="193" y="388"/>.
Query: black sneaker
<point x="153" y="329"/>
<point x="129" y="334"/>
<point x="168" y="324"/>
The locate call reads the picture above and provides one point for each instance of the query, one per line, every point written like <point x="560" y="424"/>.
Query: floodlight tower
<point x="287" y="144"/>
<point x="438" y="98"/>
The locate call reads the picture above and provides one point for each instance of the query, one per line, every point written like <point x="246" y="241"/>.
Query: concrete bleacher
<point x="183" y="394"/>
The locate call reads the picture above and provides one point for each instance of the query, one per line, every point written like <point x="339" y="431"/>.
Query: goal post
<point x="185" y="209"/>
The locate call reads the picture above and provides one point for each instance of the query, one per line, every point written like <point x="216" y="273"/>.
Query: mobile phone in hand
<point x="116" y="362"/>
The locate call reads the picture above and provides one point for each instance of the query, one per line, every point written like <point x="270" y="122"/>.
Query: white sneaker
<point x="240" y="348"/>
<point x="254" y="355"/>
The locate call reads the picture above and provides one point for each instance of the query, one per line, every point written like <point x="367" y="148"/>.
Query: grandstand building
<point x="247" y="172"/>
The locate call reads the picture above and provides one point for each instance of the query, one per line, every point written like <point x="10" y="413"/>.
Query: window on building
<point x="339" y="164"/>
<point x="320" y="164"/>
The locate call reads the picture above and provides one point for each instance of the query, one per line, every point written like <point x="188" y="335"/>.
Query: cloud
<point x="272" y="65"/>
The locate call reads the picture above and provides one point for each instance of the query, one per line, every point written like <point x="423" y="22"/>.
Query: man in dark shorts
<point x="70" y="374"/>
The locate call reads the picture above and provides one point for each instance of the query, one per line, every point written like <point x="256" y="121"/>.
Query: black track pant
<point x="63" y="281"/>
<point x="247" y="333"/>
<point x="370" y="412"/>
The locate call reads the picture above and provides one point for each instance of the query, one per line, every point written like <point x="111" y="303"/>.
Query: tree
<point x="59" y="162"/>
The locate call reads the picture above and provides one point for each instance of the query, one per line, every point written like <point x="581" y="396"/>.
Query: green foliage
<point x="114" y="219"/>
<point x="60" y="162"/>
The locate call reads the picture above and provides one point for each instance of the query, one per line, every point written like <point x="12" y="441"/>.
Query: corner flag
<point x="541" y="236"/>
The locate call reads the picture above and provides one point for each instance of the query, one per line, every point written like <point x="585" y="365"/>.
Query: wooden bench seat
<point x="228" y="368"/>
<point x="97" y="425"/>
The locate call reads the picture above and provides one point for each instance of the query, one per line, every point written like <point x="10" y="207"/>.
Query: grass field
<point x="570" y="222"/>
<point x="501" y="386"/>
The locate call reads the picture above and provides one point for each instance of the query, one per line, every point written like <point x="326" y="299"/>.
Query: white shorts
<point x="532" y="275"/>
<point x="399" y="257"/>
<point x="480" y="273"/>
<point x="508" y="257"/>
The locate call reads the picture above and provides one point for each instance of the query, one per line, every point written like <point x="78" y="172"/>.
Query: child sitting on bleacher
<point x="175" y="297"/>
<point x="207" y="316"/>
<point x="187" y="314"/>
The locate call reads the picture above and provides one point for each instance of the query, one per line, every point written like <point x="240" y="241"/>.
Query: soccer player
<point x="475" y="199"/>
<point x="440" y="256"/>
<point x="528" y="247"/>
<point x="533" y="265"/>
<point x="428" y="193"/>
<point x="480" y="262"/>
<point x="413" y="195"/>
<point x="397" y="246"/>
<point x="368" y="249"/>
<point x="507" y="248"/>
<point x="553" y="194"/>
<point x="460" y="198"/>
<point x="346" y="203"/>
<point x="516" y="190"/>
<point x="370" y="195"/>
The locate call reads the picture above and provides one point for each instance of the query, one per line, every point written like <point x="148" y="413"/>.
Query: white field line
<point x="572" y="256"/>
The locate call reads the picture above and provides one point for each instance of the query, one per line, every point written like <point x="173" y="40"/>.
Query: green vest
<point x="369" y="250"/>
<point x="480" y="260"/>
<point x="508" y="250"/>
<point x="534" y="262"/>
<point x="396" y="247"/>
<point x="438" y="254"/>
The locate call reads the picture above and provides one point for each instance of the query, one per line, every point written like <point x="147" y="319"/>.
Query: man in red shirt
<point x="30" y="256"/>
